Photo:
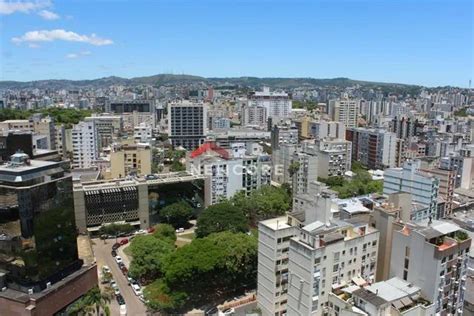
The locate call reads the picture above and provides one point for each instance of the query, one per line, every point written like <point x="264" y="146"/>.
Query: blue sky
<point x="427" y="42"/>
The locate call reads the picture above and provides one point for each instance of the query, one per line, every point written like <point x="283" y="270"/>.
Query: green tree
<point x="216" y="266"/>
<point x="177" y="166"/>
<point x="165" y="231"/>
<point x="221" y="217"/>
<point x="266" y="202"/>
<point x="177" y="214"/>
<point x="92" y="303"/>
<point x="148" y="253"/>
<point x="116" y="229"/>
<point x="293" y="168"/>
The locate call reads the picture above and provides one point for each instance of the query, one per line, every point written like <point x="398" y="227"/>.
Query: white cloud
<point x="10" y="7"/>
<point x="77" y="55"/>
<point x="61" y="35"/>
<point x="33" y="45"/>
<point x="48" y="15"/>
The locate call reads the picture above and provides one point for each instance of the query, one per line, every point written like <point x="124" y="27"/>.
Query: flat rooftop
<point x="34" y="164"/>
<point x="276" y="223"/>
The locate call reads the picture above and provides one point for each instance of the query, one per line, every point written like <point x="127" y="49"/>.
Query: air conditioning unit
<point x="30" y="291"/>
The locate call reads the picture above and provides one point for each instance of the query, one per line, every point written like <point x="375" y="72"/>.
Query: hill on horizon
<point x="170" y="79"/>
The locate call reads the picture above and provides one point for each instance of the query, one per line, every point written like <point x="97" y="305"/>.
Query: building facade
<point x="187" y="124"/>
<point x="85" y="145"/>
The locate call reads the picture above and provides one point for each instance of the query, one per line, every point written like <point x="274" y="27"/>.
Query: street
<point x="102" y="251"/>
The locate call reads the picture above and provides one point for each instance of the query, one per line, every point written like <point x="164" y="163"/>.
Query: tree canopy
<point x="148" y="253"/>
<point x="177" y="214"/>
<point x="221" y="217"/>
<point x="68" y="116"/>
<point x="266" y="202"/>
<point x="216" y="266"/>
<point x="360" y="184"/>
<point x="116" y="229"/>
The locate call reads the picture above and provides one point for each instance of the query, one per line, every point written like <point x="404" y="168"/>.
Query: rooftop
<point x="276" y="223"/>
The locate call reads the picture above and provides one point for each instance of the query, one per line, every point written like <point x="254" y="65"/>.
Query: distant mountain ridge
<point x="168" y="79"/>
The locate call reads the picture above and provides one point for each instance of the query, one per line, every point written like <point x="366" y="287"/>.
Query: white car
<point x="123" y="310"/>
<point x="116" y="291"/>
<point x="140" y="232"/>
<point x="106" y="269"/>
<point x="118" y="259"/>
<point x="137" y="289"/>
<point x="113" y="285"/>
<point x="180" y="230"/>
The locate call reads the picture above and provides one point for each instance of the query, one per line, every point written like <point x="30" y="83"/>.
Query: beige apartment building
<point x="130" y="159"/>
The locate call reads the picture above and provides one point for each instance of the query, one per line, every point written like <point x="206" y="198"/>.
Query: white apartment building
<point x="422" y="186"/>
<point x="277" y="104"/>
<point x="281" y="160"/>
<point x="334" y="157"/>
<point x="108" y="127"/>
<point x="143" y="133"/>
<point x="344" y="111"/>
<point x="273" y="247"/>
<point x="253" y="116"/>
<point x="433" y="255"/>
<point x="306" y="170"/>
<point x="229" y="175"/>
<point x="85" y="146"/>
<point x="187" y="123"/>
<point x="305" y="256"/>
<point x="323" y="129"/>
<point x="327" y="256"/>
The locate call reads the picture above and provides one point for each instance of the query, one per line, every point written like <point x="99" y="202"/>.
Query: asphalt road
<point x="102" y="250"/>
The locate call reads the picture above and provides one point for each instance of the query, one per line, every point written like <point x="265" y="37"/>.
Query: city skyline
<point x="360" y="40"/>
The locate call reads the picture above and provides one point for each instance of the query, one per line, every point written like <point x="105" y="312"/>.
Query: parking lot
<point x="102" y="250"/>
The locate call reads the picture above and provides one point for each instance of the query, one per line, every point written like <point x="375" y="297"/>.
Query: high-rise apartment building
<point x="253" y="115"/>
<point x="108" y="128"/>
<point x="85" y="145"/>
<point x="344" y="111"/>
<point x="133" y="159"/>
<point x="307" y="255"/>
<point x="283" y="135"/>
<point x="143" y="133"/>
<point x="277" y="104"/>
<point x="187" y="123"/>
<point x="374" y="148"/>
<point x="422" y="186"/>
<point x="334" y="157"/>
<point x="433" y="255"/>
<point x="323" y="129"/>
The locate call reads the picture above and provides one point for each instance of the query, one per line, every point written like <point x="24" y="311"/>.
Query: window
<point x="406" y="263"/>
<point x="405" y="275"/>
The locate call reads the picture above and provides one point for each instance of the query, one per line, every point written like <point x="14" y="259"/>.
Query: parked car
<point x="123" y="241"/>
<point x="116" y="291"/>
<point x="228" y="312"/>
<point x="136" y="289"/>
<point x="130" y="280"/>
<point x="113" y="253"/>
<point x="180" y="230"/>
<point x="211" y="311"/>
<point x="118" y="259"/>
<point x="105" y="269"/>
<point x="151" y="230"/>
<point x="113" y="285"/>
<point x="140" y="232"/>
<point x="116" y="246"/>
<point x="120" y="299"/>
<point x="124" y="270"/>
